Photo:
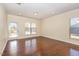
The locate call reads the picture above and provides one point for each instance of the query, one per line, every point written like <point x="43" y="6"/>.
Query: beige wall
<point x="57" y="27"/>
<point x="3" y="29"/>
<point x="21" y="23"/>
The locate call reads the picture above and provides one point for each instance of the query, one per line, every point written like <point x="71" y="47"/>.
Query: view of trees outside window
<point x="13" y="32"/>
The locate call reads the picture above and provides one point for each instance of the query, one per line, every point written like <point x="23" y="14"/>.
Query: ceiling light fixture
<point x="19" y="3"/>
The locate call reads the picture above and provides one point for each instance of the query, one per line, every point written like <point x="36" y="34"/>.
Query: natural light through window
<point x="30" y="29"/>
<point x="74" y="28"/>
<point x="13" y="32"/>
<point x="27" y="28"/>
<point x="33" y="28"/>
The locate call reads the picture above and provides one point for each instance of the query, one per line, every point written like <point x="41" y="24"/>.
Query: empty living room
<point x="39" y="29"/>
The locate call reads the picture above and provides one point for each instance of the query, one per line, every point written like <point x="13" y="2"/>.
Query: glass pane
<point x="74" y="28"/>
<point x="33" y="28"/>
<point x="13" y="30"/>
<point x="27" y="28"/>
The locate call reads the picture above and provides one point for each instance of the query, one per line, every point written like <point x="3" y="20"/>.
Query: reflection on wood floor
<point x="40" y="46"/>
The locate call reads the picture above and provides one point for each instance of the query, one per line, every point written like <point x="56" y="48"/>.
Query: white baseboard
<point x="23" y="37"/>
<point x="70" y="40"/>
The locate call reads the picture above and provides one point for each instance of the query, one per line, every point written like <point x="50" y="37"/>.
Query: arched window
<point x="30" y="28"/>
<point x="33" y="28"/>
<point x="27" y="29"/>
<point x="13" y="30"/>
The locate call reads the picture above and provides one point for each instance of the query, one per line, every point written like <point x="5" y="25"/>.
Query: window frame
<point x="31" y="29"/>
<point x="9" y="34"/>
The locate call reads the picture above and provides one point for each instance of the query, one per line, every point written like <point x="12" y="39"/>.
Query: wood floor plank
<point x="40" y="46"/>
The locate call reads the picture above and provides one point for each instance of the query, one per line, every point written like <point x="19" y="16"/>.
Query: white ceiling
<point x="44" y="10"/>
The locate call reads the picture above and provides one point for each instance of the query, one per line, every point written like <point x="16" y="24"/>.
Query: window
<point x="13" y="32"/>
<point x="30" y="28"/>
<point x="74" y="27"/>
<point x="33" y="28"/>
<point x="27" y="28"/>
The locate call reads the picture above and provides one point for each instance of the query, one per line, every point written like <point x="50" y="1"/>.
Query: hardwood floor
<point x="40" y="46"/>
